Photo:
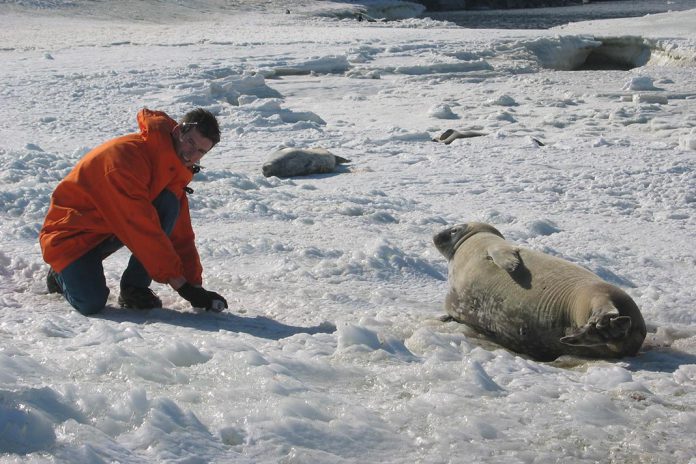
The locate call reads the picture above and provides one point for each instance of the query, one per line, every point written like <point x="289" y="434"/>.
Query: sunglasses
<point x="187" y="126"/>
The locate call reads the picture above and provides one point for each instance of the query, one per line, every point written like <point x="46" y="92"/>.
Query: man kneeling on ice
<point x="131" y="191"/>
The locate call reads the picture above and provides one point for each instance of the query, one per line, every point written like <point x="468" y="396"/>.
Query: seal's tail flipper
<point x="341" y="160"/>
<point x="604" y="332"/>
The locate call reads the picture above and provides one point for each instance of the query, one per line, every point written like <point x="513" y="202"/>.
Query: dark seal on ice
<point x="534" y="303"/>
<point x="289" y="162"/>
<point x="450" y="135"/>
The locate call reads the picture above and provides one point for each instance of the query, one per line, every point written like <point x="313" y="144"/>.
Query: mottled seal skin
<point x="450" y="135"/>
<point x="289" y="162"/>
<point x="534" y="303"/>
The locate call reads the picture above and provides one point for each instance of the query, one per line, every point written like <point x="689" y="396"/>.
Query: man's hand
<point x="202" y="298"/>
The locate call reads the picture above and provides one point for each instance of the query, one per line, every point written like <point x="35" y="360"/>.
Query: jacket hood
<point x="153" y="122"/>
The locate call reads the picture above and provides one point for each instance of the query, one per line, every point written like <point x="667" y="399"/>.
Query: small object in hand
<point x="202" y="298"/>
<point x="217" y="306"/>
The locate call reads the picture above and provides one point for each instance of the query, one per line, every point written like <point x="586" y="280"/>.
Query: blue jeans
<point x="83" y="282"/>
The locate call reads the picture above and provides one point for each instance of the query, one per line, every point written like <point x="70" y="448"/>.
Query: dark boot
<point x="51" y="283"/>
<point x="138" y="298"/>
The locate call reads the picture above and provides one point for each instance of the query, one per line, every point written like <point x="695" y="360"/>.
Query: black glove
<point x="202" y="298"/>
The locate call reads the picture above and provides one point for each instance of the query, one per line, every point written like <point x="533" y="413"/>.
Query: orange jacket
<point x="110" y="192"/>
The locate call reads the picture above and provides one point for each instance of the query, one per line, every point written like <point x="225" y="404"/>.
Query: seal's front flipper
<point x="505" y="257"/>
<point x="603" y="332"/>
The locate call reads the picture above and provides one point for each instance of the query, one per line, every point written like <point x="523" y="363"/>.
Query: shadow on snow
<point x="662" y="359"/>
<point x="257" y="326"/>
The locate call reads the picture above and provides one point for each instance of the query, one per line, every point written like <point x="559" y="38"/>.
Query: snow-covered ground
<point x="332" y="350"/>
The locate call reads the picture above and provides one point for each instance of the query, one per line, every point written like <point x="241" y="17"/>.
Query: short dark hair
<point x="205" y="122"/>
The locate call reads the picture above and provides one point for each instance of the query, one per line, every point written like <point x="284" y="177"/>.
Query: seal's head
<point x="449" y="239"/>
<point x="269" y="169"/>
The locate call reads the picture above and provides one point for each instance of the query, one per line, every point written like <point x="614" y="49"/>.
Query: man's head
<point x="195" y="135"/>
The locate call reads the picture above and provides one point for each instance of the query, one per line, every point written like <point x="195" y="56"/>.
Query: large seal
<point x="534" y="303"/>
<point x="289" y="162"/>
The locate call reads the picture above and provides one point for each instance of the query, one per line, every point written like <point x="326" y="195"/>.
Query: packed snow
<point x="333" y="350"/>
